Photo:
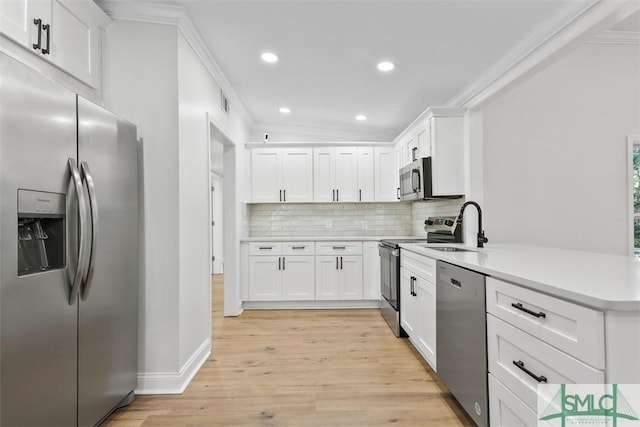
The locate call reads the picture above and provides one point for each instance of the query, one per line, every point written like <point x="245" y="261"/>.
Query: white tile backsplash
<point x="339" y="219"/>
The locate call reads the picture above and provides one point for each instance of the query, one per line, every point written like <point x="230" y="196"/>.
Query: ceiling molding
<point x="568" y="26"/>
<point x="164" y="14"/>
<point x="617" y="37"/>
<point x="319" y="134"/>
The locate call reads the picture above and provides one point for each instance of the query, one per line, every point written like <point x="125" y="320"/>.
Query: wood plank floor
<point x="302" y="368"/>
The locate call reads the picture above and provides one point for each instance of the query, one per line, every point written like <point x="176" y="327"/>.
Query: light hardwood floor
<point x="302" y="368"/>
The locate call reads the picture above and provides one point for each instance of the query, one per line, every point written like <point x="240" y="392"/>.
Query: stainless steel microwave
<point x="415" y="180"/>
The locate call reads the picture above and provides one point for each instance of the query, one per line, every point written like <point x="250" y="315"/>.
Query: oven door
<point x="389" y="271"/>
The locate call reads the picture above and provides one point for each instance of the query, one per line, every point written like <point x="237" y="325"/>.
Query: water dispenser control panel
<point x="41" y="231"/>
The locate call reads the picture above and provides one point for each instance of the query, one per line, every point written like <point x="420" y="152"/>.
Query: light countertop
<point x="325" y="238"/>
<point x="603" y="281"/>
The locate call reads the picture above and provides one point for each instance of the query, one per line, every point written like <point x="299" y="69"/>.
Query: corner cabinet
<point x="438" y="133"/>
<point x="67" y="33"/>
<point x="282" y="175"/>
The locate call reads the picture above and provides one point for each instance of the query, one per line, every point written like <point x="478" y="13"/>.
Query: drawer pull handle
<point x="297" y="247"/>
<point x="520" y="307"/>
<point x="520" y="364"/>
<point x="339" y="247"/>
<point x="266" y="248"/>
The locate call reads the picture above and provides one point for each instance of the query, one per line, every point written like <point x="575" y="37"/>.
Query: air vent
<point x="224" y="102"/>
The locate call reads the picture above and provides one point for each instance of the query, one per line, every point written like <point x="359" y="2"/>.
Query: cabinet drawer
<point x="570" y="327"/>
<point x="506" y="410"/>
<point x="265" y="248"/>
<point x="420" y="265"/>
<point x="298" y="248"/>
<point x="507" y="345"/>
<point x="339" y="248"/>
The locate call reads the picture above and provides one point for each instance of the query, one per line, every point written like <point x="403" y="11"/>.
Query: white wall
<point x="155" y="79"/>
<point x="554" y="157"/>
<point x="139" y="82"/>
<point x="196" y="92"/>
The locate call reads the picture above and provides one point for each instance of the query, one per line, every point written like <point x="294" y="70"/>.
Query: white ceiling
<point x="329" y="49"/>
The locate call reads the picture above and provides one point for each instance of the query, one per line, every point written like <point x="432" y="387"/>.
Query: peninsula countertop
<point x="602" y="281"/>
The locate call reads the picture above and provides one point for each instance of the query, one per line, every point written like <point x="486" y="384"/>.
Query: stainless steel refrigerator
<point x="69" y="254"/>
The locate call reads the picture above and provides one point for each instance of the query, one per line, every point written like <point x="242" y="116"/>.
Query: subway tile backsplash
<point x="340" y="219"/>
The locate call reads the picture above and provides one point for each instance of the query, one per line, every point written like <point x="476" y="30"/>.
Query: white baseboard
<point x="310" y="305"/>
<point x="174" y="382"/>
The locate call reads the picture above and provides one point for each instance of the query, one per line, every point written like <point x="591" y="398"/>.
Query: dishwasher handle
<point x="456" y="283"/>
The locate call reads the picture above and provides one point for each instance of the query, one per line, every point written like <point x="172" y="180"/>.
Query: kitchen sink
<point x="449" y="249"/>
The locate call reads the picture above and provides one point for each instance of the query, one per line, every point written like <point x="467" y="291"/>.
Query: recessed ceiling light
<point x="285" y="110"/>
<point x="361" y="117"/>
<point x="269" y="57"/>
<point x="386" y="66"/>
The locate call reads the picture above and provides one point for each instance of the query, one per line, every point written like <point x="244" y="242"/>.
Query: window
<point x="634" y="149"/>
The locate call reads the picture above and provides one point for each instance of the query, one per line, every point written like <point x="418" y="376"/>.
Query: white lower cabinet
<point x="329" y="271"/>
<point x="506" y="410"/>
<point x="418" y="303"/>
<point x="274" y="275"/>
<point x="339" y="277"/>
<point x="296" y="271"/>
<point x="534" y="339"/>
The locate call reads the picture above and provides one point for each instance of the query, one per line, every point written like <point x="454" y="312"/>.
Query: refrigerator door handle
<point x="88" y="279"/>
<point x="82" y="213"/>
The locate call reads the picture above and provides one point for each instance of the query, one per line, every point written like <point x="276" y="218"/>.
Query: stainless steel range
<point x="443" y="229"/>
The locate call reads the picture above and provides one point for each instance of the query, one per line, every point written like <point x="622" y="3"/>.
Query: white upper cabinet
<point x="366" y="175"/>
<point x="336" y="172"/>
<point x="282" y="175"/>
<point x="67" y="33"/>
<point x="386" y="174"/>
<point x="438" y="133"/>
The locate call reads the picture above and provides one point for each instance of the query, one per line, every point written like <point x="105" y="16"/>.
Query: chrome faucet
<point x="481" y="239"/>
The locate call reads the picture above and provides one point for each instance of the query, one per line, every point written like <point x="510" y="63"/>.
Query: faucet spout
<point x="481" y="239"/>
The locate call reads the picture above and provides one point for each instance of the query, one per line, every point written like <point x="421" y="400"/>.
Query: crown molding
<point x="165" y="14"/>
<point x="617" y="37"/>
<point x="568" y="26"/>
<point x="320" y="134"/>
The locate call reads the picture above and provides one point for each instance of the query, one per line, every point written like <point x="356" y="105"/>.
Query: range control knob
<point x="449" y="222"/>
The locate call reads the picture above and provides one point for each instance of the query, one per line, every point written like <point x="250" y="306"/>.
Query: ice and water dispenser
<point x="41" y="231"/>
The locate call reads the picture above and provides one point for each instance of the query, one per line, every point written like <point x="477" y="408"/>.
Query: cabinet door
<point x="266" y="175"/>
<point x="386" y="174"/>
<point x="327" y="280"/>
<point x="16" y="20"/>
<point x="351" y="277"/>
<point x="76" y="38"/>
<point x="371" y="271"/>
<point x="297" y="174"/>
<point x="346" y="174"/>
<point x="324" y="175"/>
<point x="366" y="175"/>
<point x="298" y="278"/>
<point x="424" y="139"/>
<point x="407" y="304"/>
<point x="447" y="137"/>
<point x="426" y="320"/>
<point x="265" y="278"/>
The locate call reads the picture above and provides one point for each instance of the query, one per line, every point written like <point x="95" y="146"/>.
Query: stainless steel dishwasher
<point x="461" y="338"/>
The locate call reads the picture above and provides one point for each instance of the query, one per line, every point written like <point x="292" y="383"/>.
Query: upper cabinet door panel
<point x="324" y="175"/>
<point x="346" y="174"/>
<point x="76" y="39"/>
<point x="386" y="174"/>
<point x="365" y="175"/>
<point x="266" y="175"/>
<point x="297" y="175"/>
<point x="16" y="20"/>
